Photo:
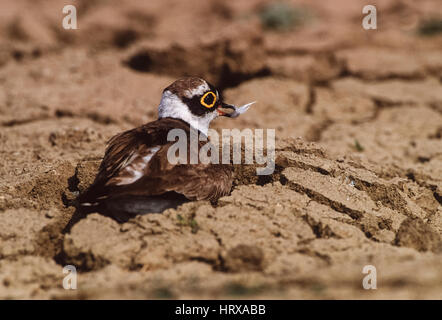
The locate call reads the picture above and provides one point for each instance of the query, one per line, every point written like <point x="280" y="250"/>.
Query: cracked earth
<point x="358" y="179"/>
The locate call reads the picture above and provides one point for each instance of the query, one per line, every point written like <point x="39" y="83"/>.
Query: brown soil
<point x="358" y="181"/>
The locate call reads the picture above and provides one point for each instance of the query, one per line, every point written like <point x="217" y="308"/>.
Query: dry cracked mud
<point x="358" y="178"/>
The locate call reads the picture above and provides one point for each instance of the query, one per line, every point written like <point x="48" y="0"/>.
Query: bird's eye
<point x="208" y="99"/>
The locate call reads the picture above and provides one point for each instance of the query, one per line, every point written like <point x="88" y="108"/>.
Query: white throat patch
<point x="172" y="106"/>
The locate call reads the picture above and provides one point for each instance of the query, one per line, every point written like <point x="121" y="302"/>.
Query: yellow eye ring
<point x="205" y="96"/>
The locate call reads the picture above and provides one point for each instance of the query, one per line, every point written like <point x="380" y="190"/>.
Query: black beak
<point x="226" y="106"/>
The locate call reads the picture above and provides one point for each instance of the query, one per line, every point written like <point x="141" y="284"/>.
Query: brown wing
<point x="135" y="163"/>
<point x="194" y="181"/>
<point x="121" y="151"/>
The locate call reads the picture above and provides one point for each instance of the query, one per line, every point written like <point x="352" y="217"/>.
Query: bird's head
<point x="194" y="101"/>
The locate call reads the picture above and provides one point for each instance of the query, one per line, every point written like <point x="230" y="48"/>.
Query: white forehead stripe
<point x="198" y="91"/>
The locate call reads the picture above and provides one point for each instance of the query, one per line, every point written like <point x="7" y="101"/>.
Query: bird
<point x="135" y="176"/>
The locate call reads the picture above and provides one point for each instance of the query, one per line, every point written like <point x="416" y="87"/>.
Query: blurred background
<point x="369" y="98"/>
<point x="315" y="71"/>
